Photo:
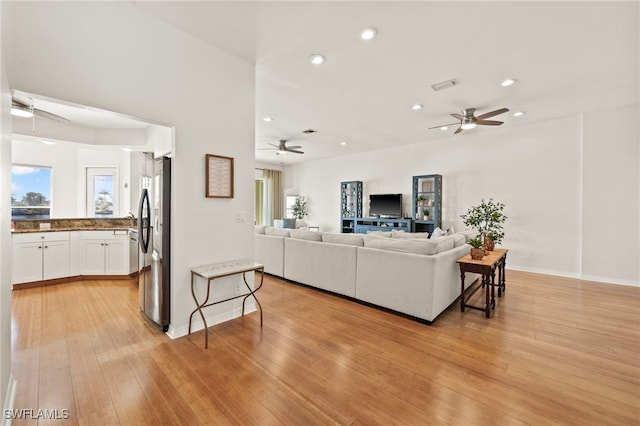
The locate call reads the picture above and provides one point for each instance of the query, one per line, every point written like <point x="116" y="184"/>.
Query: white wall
<point x="6" y="381"/>
<point x="536" y="170"/>
<point x="69" y="163"/>
<point x="113" y="56"/>
<point x="611" y="208"/>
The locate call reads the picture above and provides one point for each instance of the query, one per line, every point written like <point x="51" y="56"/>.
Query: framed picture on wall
<point x="219" y="176"/>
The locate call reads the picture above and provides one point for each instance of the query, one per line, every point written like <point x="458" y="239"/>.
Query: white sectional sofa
<point x="406" y="273"/>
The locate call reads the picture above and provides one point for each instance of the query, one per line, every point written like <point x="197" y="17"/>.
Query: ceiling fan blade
<point x="295" y="151"/>
<point x="458" y="116"/>
<point x="274" y="145"/>
<point x="489" y="122"/>
<point x="492" y="113"/>
<point x="457" y="131"/>
<point x="444" y="125"/>
<point x="290" y="147"/>
<point x="50" y="116"/>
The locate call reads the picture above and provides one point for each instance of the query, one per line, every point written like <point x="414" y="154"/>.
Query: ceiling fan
<point x="282" y="148"/>
<point x="24" y="107"/>
<point x="468" y="120"/>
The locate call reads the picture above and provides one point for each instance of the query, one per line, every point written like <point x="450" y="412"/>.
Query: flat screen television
<point x="385" y="205"/>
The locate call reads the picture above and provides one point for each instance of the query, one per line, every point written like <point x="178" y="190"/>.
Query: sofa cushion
<point x="402" y="234"/>
<point x="469" y="234"/>
<point x="445" y="243"/>
<point x="459" y="239"/>
<point x="277" y="232"/>
<point x="348" y="239"/>
<point x="405" y="245"/>
<point x="379" y="234"/>
<point x="260" y="229"/>
<point x="300" y="234"/>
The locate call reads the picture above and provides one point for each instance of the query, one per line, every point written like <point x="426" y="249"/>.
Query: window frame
<point x="48" y="208"/>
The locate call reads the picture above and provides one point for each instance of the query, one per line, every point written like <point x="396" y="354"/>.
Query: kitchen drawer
<point x="120" y="234"/>
<point x="33" y="237"/>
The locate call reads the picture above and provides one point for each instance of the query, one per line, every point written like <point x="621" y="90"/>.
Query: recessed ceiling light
<point x="444" y="128"/>
<point x="416" y="107"/>
<point x="267" y="119"/>
<point x="46" y="142"/>
<point x="343" y="143"/>
<point x="368" y="33"/>
<point x="508" y="82"/>
<point x="518" y="113"/>
<point x="317" y="59"/>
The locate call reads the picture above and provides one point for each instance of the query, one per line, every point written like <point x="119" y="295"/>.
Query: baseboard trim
<point x="197" y="324"/>
<point x="9" y="400"/>
<point x="594" y="278"/>
<point x="64" y="280"/>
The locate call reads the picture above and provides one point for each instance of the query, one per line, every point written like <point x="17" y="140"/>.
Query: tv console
<point x="366" y="224"/>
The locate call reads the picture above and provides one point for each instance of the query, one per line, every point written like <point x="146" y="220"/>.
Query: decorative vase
<point x="489" y="244"/>
<point x="477" y="253"/>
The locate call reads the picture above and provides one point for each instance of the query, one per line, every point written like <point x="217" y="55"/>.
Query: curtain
<point x="275" y="195"/>
<point x="259" y="210"/>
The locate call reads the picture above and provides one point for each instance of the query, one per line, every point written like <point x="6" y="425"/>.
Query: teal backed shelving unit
<point x="350" y="205"/>
<point x="364" y="225"/>
<point x="426" y="203"/>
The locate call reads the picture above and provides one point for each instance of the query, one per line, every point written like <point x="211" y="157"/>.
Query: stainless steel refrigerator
<point x="154" y="232"/>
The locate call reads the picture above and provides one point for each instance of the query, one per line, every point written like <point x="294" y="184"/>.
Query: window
<point x="102" y="192"/>
<point x="30" y="192"/>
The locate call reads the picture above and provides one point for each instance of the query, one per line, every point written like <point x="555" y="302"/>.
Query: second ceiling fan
<point x="468" y="120"/>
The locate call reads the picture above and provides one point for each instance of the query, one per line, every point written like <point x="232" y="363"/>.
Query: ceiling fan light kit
<point x="468" y="120"/>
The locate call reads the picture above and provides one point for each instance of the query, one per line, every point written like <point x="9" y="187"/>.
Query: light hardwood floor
<point x="556" y="351"/>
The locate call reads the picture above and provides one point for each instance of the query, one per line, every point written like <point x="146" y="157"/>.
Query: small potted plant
<point x="487" y="218"/>
<point x="425" y="214"/>
<point x="477" y="251"/>
<point x="299" y="208"/>
<point x="421" y="200"/>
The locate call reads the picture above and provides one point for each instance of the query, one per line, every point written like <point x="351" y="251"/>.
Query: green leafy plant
<point x="475" y="242"/>
<point x="487" y="218"/>
<point x="299" y="208"/>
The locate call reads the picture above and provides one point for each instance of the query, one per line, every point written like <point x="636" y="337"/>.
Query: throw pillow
<point x="437" y="233"/>
<point x="289" y="223"/>
<point x="260" y="229"/>
<point x="444" y="243"/>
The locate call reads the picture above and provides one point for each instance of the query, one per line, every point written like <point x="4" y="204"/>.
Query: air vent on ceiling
<point x="309" y="131"/>
<point x="444" y="84"/>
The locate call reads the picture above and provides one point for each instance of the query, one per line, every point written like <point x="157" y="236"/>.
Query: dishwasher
<point x="133" y="251"/>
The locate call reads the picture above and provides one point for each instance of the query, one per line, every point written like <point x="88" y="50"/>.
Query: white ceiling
<point x="568" y="57"/>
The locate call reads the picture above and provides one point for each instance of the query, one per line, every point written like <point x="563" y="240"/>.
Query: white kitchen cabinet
<point x="105" y="252"/>
<point x="40" y="256"/>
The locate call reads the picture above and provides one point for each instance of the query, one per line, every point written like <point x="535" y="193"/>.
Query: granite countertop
<point x="72" y="224"/>
<point x="85" y="228"/>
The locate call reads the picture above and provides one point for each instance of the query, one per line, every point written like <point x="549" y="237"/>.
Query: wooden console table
<point x="493" y="260"/>
<point x="220" y="270"/>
